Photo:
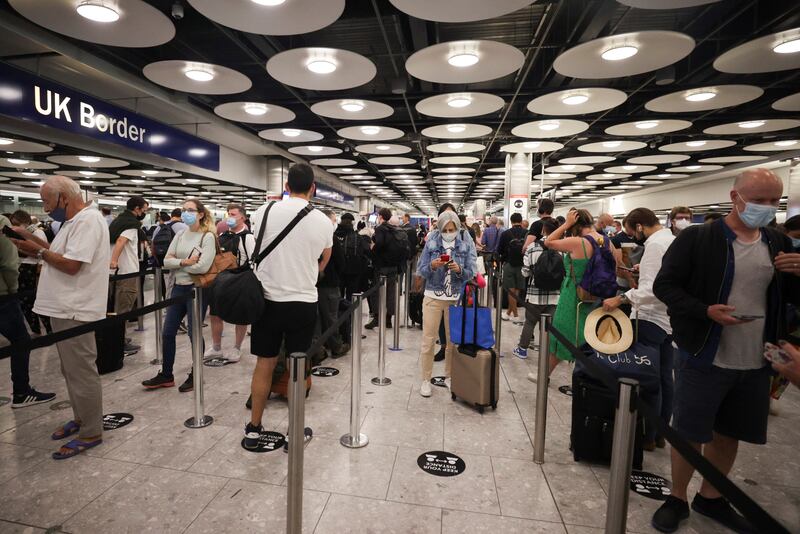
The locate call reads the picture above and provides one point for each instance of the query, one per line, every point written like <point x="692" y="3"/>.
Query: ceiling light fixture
<point x="89" y="159"/>
<point x="86" y="182"/>
<point x="352" y="106"/>
<point x="785" y="143"/>
<point x="459" y="102"/>
<point x="192" y="180"/>
<point x="693" y="167"/>
<point x="383" y="147"/>
<point x="370" y="130"/>
<point x="619" y="53"/>
<point x="97" y="11"/>
<point x="549" y="125"/>
<point x="198" y="74"/>
<point x="30" y="174"/>
<point x="568" y="167"/>
<point x="788" y="47"/>
<point x="664" y="176"/>
<point x="456" y="128"/>
<point x="268" y="3"/>
<point x="291" y="132"/>
<point x="254" y="108"/>
<point x="87" y="173"/>
<point x="138" y="181"/>
<point x="321" y="66"/>
<point x="700" y="96"/>
<point x="574" y="100"/>
<point x="17" y="161"/>
<point x="751" y="124"/>
<point x="455" y="145"/>
<point x="5" y="141"/>
<point x="629" y="167"/>
<point x="612" y="144"/>
<point x="646" y="125"/>
<point x="316" y="148"/>
<point x="463" y="60"/>
<point x="695" y="143"/>
<point x="149" y="172"/>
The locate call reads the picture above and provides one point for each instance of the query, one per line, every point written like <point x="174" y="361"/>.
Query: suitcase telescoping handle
<point x="464" y="316"/>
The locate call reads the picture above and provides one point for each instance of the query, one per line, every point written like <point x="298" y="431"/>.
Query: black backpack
<point x="397" y="250"/>
<point x="162" y="240"/>
<point x="354" y="253"/>
<point x="548" y="271"/>
<point x="515" y="250"/>
<point x="229" y="242"/>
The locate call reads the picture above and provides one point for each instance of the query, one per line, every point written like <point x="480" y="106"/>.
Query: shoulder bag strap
<point x="262" y="229"/>
<point x="275" y="242"/>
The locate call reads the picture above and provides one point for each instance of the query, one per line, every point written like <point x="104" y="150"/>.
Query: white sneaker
<point x="234" y="355"/>
<point x="532" y="377"/>
<point x="212" y="353"/>
<point x="505" y="316"/>
<point x="425" y="388"/>
<point x="447" y="383"/>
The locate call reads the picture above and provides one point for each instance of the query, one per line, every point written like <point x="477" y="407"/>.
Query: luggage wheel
<point x="494" y="406"/>
<point x="480" y="408"/>
<point x="453" y="396"/>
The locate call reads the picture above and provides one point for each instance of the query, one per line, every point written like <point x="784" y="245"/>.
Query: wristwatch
<point x="624" y="298"/>
<point x="40" y="253"/>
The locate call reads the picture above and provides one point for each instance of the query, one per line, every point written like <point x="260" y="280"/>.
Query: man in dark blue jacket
<point x="726" y="286"/>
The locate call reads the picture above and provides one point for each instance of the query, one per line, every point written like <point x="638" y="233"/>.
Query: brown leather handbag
<point x="222" y="262"/>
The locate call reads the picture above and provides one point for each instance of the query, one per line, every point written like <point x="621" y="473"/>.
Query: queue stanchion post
<point x="200" y="419"/>
<point x="622" y="456"/>
<point x="498" y="310"/>
<point x="381" y="379"/>
<point x="542" y="383"/>
<point x="396" y="323"/>
<point x="140" y="302"/>
<point x="296" y="435"/>
<point x="355" y="439"/>
<point x="158" y="296"/>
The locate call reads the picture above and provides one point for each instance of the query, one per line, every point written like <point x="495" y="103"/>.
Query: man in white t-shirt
<point x="289" y="276"/>
<point x="72" y="291"/>
<point x="239" y="240"/>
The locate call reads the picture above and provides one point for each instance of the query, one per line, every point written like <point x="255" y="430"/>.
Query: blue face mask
<point x="608" y="230"/>
<point x="795" y="243"/>
<point x="231" y="222"/>
<point x="189" y="218"/>
<point x="756" y="215"/>
<point x="58" y="214"/>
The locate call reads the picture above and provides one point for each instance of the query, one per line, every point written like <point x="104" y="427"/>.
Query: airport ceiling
<point x="420" y="101"/>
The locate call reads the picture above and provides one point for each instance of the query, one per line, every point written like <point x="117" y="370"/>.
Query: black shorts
<point x="287" y="324"/>
<point x="726" y="401"/>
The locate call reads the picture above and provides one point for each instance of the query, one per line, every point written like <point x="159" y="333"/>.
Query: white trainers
<point x="447" y="383"/>
<point x="505" y="316"/>
<point x="425" y="388"/>
<point x="212" y="353"/>
<point x="234" y="355"/>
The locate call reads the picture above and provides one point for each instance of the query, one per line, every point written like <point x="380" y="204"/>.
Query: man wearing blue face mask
<point x="792" y="229"/>
<point x="726" y="285"/>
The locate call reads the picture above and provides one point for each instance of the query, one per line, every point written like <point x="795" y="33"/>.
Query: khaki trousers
<point x="432" y="312"/>
<point x="78" y="356"/>
<point x="126" y="293"/>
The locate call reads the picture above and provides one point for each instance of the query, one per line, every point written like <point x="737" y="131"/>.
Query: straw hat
<point x="608" y="332"/>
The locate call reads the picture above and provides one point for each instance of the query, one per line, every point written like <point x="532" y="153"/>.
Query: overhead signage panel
<point x="31" y="98"/>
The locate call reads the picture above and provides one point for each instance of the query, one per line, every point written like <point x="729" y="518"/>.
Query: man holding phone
<point x="726" y="285"/>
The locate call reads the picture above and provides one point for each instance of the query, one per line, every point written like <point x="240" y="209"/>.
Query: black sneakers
<point x="722" y="512"/>
<point x="307" y="435"/>
<point x="252" y="434"/>
<point x="372" y="323"/>
<point x="439" y="356"/>
<point x="188" y="385"/>
<point x="31" y="398"/>
<point x="669" y="516"/>
<point x="159" y="381"/>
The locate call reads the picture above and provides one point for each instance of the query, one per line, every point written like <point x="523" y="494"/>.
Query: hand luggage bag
<point x="475" y="370"/>
<point x="110" y="340"/>
<point x="280" y="377"/>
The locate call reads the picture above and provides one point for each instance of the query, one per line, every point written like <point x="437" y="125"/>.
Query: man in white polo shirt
<point x="289" y="277"/>
<point x="72" y="291"/>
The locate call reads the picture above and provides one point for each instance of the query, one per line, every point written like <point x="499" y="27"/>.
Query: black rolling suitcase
<point x="110" y="340"/>
<point x="592" y="432"/>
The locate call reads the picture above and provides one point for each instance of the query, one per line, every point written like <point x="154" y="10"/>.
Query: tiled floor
<point x="155" y="475"/>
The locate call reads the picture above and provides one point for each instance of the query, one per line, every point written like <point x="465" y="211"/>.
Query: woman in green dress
<point x="570" y="318"/>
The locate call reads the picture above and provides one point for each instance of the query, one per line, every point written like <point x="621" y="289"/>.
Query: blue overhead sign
<point x="328" y="193"/>
<point x="28" y="97"/>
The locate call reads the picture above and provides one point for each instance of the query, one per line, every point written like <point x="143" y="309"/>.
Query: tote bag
<point x="471" y="325"/>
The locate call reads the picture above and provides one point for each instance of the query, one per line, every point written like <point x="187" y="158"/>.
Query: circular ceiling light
<point x="87" y="173"/>
<point x="4" y="141"/>
<point x="254" y="108"/>
<point x="456" y="128"/>
<point x="455" y="145"/>
<point x="86" y="182"/>
<point x="316" y="148"/>
<point x="321" y="66"/>
<point x="693" y="167"/>
<point x="575" y="100"/>
<point x="619" y="53"/>
<point x="198" y="75"/>
<point x="646" y="125"/>
<point x="270" y="3"/>
<point x="701" y="96"/>
<point x="612" y="144"/>
<point x="629" y="167"/>
<point x="788" y="47"/>
<point x="291" y="132"/>
<point x="785" y="143"/>
<point x="463" y="60"/>
<point x="532" y="145"/>
<point x="138" y="181"/>
<point x="459" y="102"/>
<point x="549" y="125"/>
<point x="89" y="159"/>
<point x="97" y="11"/>
<point x="383" y="147"/>
<point x="149" y="172"/>
<point x="568" y="167"/>
<point x="370" y="130"/>
<point x="352" y="106"/>
<point x="751" y="124"/>
<point x="695" y="143"/>
<point x="17" y="161"/>
<point x="29" y="174"/>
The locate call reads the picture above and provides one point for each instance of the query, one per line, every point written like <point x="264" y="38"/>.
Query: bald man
<point x="72" y="291"/>
<point x="726" y="285"/>
<point x="605" y="225"/>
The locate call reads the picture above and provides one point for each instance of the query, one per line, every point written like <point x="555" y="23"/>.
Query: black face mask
<point x="141" y="216"/>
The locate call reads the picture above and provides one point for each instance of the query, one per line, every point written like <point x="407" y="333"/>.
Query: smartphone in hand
<point x="445" y="258"/>
<point x="13" y="234"/>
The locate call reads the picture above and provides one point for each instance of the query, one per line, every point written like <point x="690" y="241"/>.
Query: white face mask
<point x="682" y="224"/>
<point x="448" y="237"/>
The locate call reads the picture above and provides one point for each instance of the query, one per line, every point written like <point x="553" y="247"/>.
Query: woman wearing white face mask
<point x="447" y="262"/>
<point x="680" y="218"/>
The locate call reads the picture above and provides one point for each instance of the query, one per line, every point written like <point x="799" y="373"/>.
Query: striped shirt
<point x="534" y="294"/>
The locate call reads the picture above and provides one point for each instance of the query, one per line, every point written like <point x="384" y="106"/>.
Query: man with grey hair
<point x="726" y="285"/>
<point x="72" y="291"/>
<point x="605" y="225"/>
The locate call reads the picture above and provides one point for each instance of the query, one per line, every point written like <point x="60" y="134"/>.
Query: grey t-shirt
<point x="742" y="346"/>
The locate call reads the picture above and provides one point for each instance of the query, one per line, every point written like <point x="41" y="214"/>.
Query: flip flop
<point x="67" y="430"/>
<point x="75" y="447"/>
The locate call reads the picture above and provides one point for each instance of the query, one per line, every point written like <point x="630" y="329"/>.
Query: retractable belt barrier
<point x="751" y="510"/>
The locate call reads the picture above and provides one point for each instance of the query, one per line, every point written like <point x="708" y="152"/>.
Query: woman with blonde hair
<point x="191" y="252"/>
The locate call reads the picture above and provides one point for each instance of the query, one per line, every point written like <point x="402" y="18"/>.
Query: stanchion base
<point x="398" y="349"/>
<point x="354" y="442"/>
<point x="193" y="423"/>
<point x="378" y="382"/>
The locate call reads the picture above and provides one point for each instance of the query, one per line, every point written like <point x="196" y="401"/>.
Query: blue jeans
<point x="175" y="315"/>
<point x="12" y="327"/>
